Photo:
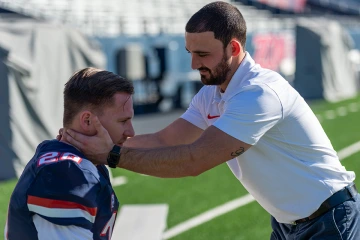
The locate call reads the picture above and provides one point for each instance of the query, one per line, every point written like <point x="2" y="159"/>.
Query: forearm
<point x="151" y="140"/>
<point x="211" y="149"/>
<point x="166" y="162"/>
<point x="178" y="133"/>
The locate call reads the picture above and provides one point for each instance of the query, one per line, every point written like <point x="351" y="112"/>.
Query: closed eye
<point x="199" y="53"/>
<point x="202" y="54"/>
<point x="123" y="120"/>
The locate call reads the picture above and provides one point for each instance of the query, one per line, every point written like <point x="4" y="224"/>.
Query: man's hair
<point x="222" y="18"/>
<point x="93" y="88"/>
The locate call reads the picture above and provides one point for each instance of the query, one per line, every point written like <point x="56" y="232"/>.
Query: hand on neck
<point x="64" y="137"/>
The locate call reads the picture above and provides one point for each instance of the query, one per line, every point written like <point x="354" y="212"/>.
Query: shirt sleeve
<point x="47" y="230"/>
<point x="193" y="113"/>
<point x="250" y="114"/>
<point x="64" y="194"/>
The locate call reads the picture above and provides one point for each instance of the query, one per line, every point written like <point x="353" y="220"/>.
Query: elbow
<point x="194" y="172"/>
<point x="194" y="167"/>
<point x="197" y="173"/>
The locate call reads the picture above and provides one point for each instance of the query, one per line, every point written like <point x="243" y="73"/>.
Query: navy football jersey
<point x="60" y="185"/>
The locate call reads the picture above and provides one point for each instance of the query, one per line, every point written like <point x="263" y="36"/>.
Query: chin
<point x="204" y="81"/>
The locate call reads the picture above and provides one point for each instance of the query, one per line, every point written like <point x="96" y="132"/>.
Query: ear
<point x="86" y="125"/>
<point x="236" y="47"/>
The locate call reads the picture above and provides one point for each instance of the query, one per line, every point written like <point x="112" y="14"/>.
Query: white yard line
<point x="348" y="151"/>
<point x="234" y="204"/>
<point x="353" y="107"/>
<point x="207" y="216"/>
<point x="330" y="114"/>
<point x="341" y="111"/>
<point x="117" y="181"/>
<point x="140" y="221"/>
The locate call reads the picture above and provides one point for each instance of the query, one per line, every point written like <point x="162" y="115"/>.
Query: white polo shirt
<point x="291" y="167"/>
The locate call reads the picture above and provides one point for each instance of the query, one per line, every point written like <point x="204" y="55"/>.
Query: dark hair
<point x="224" y="19"/>
<point x="94" y="88"/>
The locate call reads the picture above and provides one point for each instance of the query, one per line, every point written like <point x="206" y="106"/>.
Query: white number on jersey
<point x="109" y="226"/>
<point x="52" y="157"/>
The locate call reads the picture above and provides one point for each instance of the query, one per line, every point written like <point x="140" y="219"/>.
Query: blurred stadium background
<point x="314" y="44"/>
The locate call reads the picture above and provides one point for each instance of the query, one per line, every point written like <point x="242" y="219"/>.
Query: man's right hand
<point x="96" y="148"/>
<point x="58" y="137"/>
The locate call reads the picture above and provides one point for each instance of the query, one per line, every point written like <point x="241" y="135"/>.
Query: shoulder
<point x="64" y="193"/>
<point x="60" y="168"/>
<point x="257" y="91"/>
<point x="255" y="99"/>
<point x="57" y="156"/>
<point x="65" y="176"/>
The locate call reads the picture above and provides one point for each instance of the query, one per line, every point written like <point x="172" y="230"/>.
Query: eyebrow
<point x="198" y="51"/>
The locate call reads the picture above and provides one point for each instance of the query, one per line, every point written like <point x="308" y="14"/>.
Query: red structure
<point x="291" y="5"/>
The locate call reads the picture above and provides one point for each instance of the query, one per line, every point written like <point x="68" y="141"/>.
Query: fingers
<point x="97" y="123"/>
<point x="100" y="130"/>
<point x="58" y="137"/>
<point x="74" y="138"/>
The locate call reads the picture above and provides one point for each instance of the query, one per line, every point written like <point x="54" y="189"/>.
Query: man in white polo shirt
<point x="255" y="121"/>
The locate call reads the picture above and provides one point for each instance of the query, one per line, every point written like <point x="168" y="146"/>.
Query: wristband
<point x="114" y="156"/>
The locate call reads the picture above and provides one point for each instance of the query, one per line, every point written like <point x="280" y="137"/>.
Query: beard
<point x="218" y="75"/>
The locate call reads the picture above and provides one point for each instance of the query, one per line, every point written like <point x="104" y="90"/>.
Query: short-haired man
<point x="62" y="195"/>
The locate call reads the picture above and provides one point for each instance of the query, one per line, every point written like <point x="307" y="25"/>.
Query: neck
<point x="66" y="142"/>
<point x="237" y="62"/>
<point x="63" y="139"/>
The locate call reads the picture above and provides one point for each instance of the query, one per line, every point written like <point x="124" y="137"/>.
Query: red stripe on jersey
<point x="51" y="203"/>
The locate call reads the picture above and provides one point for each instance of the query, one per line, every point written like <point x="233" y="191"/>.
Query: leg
<point x="280" y="231"/>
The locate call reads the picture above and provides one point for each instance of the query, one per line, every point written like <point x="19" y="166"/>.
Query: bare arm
<point x="211" y="149"/>
<point x="177" y="133"/>
<point x="97" y="147"/>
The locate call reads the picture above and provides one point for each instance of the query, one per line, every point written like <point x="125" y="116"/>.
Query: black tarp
<point x="36" y="59"/>
<point x="323" y="67"/>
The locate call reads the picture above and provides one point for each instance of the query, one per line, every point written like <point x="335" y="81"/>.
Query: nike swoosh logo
<point x="211" y="117"/>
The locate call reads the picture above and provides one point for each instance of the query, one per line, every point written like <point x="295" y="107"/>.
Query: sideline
<point x="234" y="204"/>
<point x="348" y="151"/>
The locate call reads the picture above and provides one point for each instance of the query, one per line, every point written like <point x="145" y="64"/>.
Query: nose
<point x="195" y="63"/>
<point x="129" y="132"/>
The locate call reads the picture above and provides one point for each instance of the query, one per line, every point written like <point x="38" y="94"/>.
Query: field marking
<point x="151" y="218"/>
<point x="341" y="111"/>
<point x="117" y="181"/>
<point x="234" y="204"/>
<point x="348" y="151"/>
<point x="207" y="216"/>
<point x="330" y="114"/>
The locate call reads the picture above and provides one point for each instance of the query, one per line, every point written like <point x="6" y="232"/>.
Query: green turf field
<point x="189" y="197"/>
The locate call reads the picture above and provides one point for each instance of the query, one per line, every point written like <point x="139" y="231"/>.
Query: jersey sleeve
<point x="250" y="114"/>
<point x="64" y="194"/>
<point x="193" y="113"/>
